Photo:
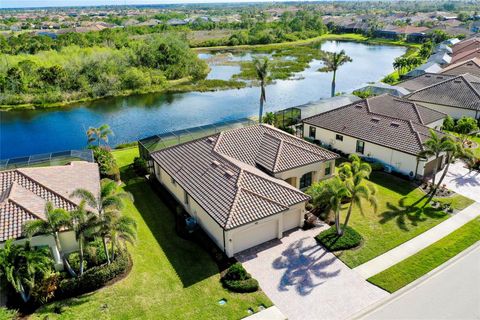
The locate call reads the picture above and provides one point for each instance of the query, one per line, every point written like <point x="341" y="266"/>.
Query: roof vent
<point x="394" y="124"/>
<point x="358" y="106"/>
<point x="457" y="81"/>
<point x="215" y="163"/>
<point x="428" y="76"/>
<point x="376" y="120"/>
<point x="439" y="77"/>
<point x="228" y="174"/>
<point x="210" y="140"/>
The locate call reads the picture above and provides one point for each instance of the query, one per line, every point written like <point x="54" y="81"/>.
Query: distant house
<point x="442" y="47"/>
<point x="441" y="58"/>
<point x="466" y="55"/>
<point x="242" y="185"/>
<point x="380" y="88"/>
<point x="428" y="67"/>
<point x="409" y="33"/>
<point x="456" y="96"/>
<point x="466" y="45"/>
<point x="177" y="22"/>
<point x="471" y="66"/>
<point x="385" y="128"/>
<point x="24" y="193"/>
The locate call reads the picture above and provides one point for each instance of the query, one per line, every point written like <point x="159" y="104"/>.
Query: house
<point x="24" y="193"/>
<point x="428" y="67"/>
<point x="456" y="96"/>
<point x="386" y="129"/>
<point x="466" y="45"/>
<point x="465" y="55"/>
<point x="424" y="80"/>
<point x="441" y="58"/>
<point x="471" y="66"/>
<point x="380" y="88"/>
<point x="242" y="185"/>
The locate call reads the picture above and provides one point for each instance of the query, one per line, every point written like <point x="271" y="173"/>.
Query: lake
<point x="131" y="118"/>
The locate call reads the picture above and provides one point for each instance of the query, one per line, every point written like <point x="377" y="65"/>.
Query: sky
<point x="62" y="3"/>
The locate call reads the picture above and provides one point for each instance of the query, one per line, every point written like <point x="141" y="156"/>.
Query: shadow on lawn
<point x="392" y="182"/>
<point x="191" y="262"/>
<point x="306" y="267"/>
<point x="406" y="215"/>
<point x="59" y="307"/>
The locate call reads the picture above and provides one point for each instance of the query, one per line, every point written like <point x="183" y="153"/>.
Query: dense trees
<point x="75" y="73"/>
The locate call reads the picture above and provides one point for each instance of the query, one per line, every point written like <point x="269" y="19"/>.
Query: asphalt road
<point x="452" y="293"/>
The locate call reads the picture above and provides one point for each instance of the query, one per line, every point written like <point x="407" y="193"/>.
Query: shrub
<point x="93" y="278"/>
<point x="8" y="313"/>
<point x="330" y="240"/>
<point x="237" y="279"/>
<point x="106" y="162"/>
<point x="74" y="260"/>
<point x="95" y="253"/>
<point x="140" y="166"/>
<point x="376" y="166"/>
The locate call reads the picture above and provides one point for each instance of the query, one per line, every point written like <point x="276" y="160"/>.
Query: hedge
<point x="333" y="242"/>
<point x="93" y="278"/>
<point x="237" y="279"/>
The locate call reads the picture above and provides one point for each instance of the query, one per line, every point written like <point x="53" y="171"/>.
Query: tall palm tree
<point x="116" y="228"/>
<point x="56" y="220"/>
<point x="84" y="223"/>
<point x="21" y="264"/>
<point x="333" y="61"/>
<point x="354" y="175"/>
<point x="108" y="200"/>
<point x="434" y="147"/>
<point x="99" y="134"/>
<point x="261" y="69"/>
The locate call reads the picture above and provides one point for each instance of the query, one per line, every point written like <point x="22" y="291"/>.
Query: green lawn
<point x="171" y="278"/>
<point x="474" y="138"/>
<point x="395" y="222"/>
<point x="429" y="258"/>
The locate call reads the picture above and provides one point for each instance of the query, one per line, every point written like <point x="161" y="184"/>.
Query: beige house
<point x="25" y="191"/>
<point x="385" y="128"/>
<point x="242" y="185"/>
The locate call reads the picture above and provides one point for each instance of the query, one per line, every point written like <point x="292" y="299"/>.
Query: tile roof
<point x="424" y="80"/>
<point x="461" y="91"/>
<point x="221" y="173"/>
<point x="24" y="192"/>
<point x="466" y="45"/>
<point x="465" y="55"/>
<point x="471" y="66"/>
<point x="359" y="121"/>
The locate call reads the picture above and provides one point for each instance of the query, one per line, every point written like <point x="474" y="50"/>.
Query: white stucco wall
<point x="317" y="168"/>
<point x="455" y="113"/>
<point x="400" y="161"/>
<point x="436" y="124"/>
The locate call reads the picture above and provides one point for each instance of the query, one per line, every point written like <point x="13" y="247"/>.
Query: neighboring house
<point x="466" y="45"/>
<point x="451" y="42"/>
<point x="441" y="58"/>
<point x="442" y="47"/>
<point x="424" y="80"/>
<point x="386" y="128"/>
<point x="24" y="193"/>
<point x="429" y="67"/>
<point x="456" y="96"/>
<point x="471" y="66"/>
<point x="380" y="88"/>
<point x="465" y="55"/>
<point x="242" y="185"/>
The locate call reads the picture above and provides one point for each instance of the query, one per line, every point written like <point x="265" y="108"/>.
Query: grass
<point x="474" y="138"/>
<point x="171" y="278"/>
<point x="398" y="218"/>
<point x="426" y="260"/>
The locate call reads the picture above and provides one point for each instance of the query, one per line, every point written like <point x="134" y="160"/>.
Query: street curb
<point x="412" y="286"/>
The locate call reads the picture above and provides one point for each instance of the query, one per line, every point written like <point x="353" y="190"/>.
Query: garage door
<point x="291" y="219"/>
<point x="255" y="235"/>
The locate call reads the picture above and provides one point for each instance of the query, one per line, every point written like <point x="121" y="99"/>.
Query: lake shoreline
<point x="185" y="84"/>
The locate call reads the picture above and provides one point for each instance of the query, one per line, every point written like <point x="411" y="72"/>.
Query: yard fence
<point x="47" y="159"/>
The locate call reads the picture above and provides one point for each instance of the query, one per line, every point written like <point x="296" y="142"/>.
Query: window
<point x="306" y="180"/>
<point x="328" y="169"/>
<point x="360" y="146"/>
<point x="312" y="132"/>
<point x="185" y="198"/>
<point x="339" y="137"/>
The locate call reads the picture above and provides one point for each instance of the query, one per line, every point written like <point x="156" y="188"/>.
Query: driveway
<point x="307" y="282"/>
<point x="462" y="181"/>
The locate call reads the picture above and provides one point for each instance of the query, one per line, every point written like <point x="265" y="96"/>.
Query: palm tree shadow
<point x="406" y="215"/>
<point x="306" y="267"/>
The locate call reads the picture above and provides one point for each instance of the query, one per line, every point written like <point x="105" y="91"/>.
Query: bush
<point x="330" y="240"/>
<point x="237" y="279"/>
<point x="140" y="166"/>
<point x="376" y="166"/>
<point x="106" y="162"/>
<point x="8" y="313"/>
<point x="95" y="253"/>
<point x="93" y="278"/>
<point x="74" y="260"/>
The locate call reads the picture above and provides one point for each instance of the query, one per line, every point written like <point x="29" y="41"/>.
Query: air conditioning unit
<point x="387" y="169"/>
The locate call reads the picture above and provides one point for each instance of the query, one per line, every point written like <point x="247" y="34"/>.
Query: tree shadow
<point x="191" y="262"/>
<point x="409" y="215"/>
<point x="61" y="306"/>
<point x="306" y="267"/>
<point x="392" y="182"/>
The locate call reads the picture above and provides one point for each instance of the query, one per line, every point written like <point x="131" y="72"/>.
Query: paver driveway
<point x="307" y="282"/>
<point x="462" y="181"/>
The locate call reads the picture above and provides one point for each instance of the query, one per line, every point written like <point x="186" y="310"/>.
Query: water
<point x="40" y="131"/>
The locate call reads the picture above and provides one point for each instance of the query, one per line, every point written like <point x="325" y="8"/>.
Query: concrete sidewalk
<point x="418" y="243"/>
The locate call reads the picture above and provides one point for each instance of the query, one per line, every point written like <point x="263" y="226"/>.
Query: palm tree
<point x="354" y="175"/>
<point x="434" y="147"/>
<point x="269" y="118"/>
<point x="108" y="200"/>
<point x="56" y="220"/>
<point x="118" y="228"/>
<point x="84" y="223"/>
<point x="99" y="134"/>
<point x="261" y="69"/>
<point x="333" y="61"/>
<point x="21" y="265"/>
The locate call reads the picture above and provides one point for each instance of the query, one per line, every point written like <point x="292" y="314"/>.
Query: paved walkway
<point x="452" y="291"/>
<point x="462" y="181"/>
<point x="272" y="313"/>
<point x="307" y="282"/>
<point x="418" y="243"/>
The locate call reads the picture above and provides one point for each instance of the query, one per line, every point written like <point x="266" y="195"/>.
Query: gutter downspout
<point x="224" y="246"/>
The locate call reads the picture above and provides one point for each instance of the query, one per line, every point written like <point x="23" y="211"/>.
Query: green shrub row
<point x="333" y="242"/>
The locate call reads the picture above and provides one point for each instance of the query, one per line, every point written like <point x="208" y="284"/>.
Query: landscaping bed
<point x="424" y="261"/>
